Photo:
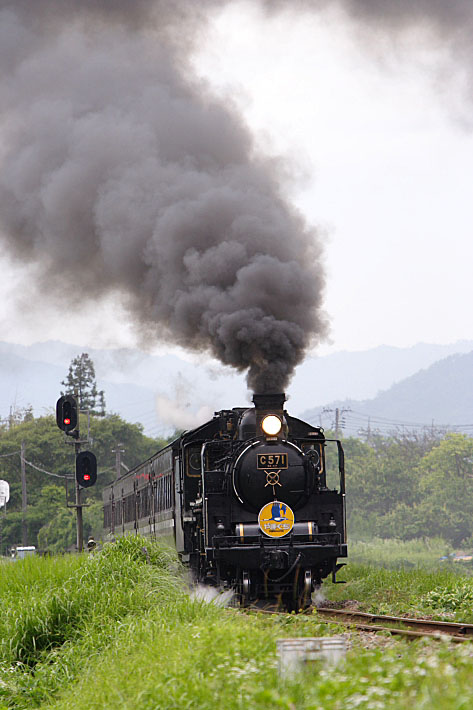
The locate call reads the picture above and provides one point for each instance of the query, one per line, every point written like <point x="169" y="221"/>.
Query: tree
<point x="409" y="487"/>
<point x="58" y="533"/>
<point x="17" y="416"/>
<point x="446" y="484"/>
<point x="383" y="485"/>
<point x="81" y="380"/>
<point x="45" y="449"/>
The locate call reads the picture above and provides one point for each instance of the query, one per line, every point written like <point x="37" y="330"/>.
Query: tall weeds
<point x="76" y="595"/>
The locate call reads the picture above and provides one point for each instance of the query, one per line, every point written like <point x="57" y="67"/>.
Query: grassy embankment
<point x="118" y="630"/>
<point x="395" y="577"/>
<point x="395" y="554"/>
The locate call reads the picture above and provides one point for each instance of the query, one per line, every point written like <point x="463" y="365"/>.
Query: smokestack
<point x="269" y="402"/>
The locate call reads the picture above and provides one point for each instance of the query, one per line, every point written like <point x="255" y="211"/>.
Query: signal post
<point x="67" y="419"/>
<point x="78" y="505"/>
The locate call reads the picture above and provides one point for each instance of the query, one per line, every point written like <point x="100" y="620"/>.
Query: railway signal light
<point x="86" y="469"/>
<point x="66" y="413"/>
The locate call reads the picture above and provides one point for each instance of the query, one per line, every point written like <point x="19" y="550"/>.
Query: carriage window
<point x="118" y="513"/>
<point x="129" y="508"/>
<point x="158" y="494"/>
<point x="107" y="515"/>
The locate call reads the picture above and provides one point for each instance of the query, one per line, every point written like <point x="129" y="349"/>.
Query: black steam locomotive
<point x="245" y="499"/>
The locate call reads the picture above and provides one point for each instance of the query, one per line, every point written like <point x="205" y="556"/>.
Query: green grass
<point x="118" y="630"/>
<point x="441" y="593"/>
<point x="219" y="660"/>
<point x="58" y="614"/>
<point x="394" y="553"/>
<point x="397" y="577"/>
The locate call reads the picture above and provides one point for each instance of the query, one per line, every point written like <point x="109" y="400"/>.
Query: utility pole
<point x="339" y="423"/>
<point x="24" y="501"/>
<point x="80" y="523"/>
<point x="118" y="451"/>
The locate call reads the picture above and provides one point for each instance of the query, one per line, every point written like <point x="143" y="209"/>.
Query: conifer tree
<point x="81" y="380"/>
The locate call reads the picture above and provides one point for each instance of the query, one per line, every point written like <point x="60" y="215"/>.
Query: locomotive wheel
<point x="305" y="598"/>
<point x="245" y="589"/>
<point x="306" y="590"/>
<point x="301" y="596"/>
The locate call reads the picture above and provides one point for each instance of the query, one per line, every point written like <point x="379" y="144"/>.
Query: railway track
<point x="410" y="628"/>
<point x="396" y="625"/>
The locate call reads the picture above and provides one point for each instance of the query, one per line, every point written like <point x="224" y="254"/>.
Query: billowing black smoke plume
<point x="119" y="165"/>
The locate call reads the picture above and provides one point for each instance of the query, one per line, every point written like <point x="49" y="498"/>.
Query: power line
<point x="386" y="421"/>
<point x="48" y="473"/>
<point x="368" y="424"/>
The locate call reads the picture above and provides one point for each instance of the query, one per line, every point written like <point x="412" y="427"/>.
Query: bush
<point x="103" y="587"/>
<point x="458" y="598"/>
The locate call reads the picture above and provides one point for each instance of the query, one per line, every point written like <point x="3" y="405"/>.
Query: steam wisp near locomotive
<point x="245" y="499"/>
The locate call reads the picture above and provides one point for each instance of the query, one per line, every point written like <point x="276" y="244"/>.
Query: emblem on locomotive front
<point x="275" y="462"/>
<point x="276" y="519"/>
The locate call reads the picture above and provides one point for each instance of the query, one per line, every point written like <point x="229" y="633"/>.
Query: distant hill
<point x="176" y="390"/>
<point x="161" y="392"/>
<point x="440" y="395"/>
<point x="363" y="374"/>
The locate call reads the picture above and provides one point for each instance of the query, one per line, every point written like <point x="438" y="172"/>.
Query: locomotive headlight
<point x="271" y="425"/>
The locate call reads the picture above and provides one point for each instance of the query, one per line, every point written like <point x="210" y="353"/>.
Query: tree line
<point x="409" y="486"/>
<point x="401" y="486"/>
<point x="50" y="523"/>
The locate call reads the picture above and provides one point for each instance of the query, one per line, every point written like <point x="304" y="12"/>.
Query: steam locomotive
<point x="245" y="499"/>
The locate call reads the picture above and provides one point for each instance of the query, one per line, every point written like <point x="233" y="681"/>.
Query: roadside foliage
<point x="50" y="524"/>
<point x="121" y="628"/>
<point x="404" y="487"/>
<point x="409" y="487"/>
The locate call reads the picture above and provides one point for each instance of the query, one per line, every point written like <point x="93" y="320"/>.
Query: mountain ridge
<point x="440" y="396"/>
<point x="162" y="390"/>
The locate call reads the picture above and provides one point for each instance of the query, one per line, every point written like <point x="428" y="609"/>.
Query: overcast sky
<point x="381" y="143"/>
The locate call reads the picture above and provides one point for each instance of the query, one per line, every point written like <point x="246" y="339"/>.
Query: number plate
<point x="270" y="461"/>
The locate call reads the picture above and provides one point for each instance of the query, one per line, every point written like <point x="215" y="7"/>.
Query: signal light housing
<point x="86" y="469"/>
<point x="66" y="413"/>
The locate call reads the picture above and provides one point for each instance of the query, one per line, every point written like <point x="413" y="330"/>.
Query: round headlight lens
<point x="271" y="425"/>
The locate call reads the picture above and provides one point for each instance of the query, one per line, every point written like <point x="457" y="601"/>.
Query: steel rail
<point x="425" y="627"/>
<point x="396" y="631"/>
<point x="454" y="631"/>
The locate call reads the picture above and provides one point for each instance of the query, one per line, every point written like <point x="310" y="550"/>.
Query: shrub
<point x="450" y="599"/>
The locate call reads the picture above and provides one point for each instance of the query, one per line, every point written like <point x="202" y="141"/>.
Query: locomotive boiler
<point x="246" y="500"/>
